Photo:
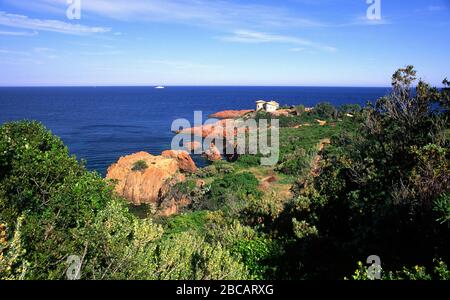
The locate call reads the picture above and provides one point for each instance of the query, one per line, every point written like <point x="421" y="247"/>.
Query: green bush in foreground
<point x="439" y="272"/>
<point x="53" y="208"/>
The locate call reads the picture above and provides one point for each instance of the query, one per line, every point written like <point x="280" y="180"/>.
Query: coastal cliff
<point x="150" y="183"/>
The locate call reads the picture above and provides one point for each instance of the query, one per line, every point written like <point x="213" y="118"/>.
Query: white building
<point x="270" y="106"/>
<point x="260" y="104"/>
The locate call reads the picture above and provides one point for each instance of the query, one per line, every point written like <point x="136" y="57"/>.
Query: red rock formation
<point x="231" y="114"/>
<point x="213" y="154"/>
<point x="192" y="146"/>
<point x="144" y="186"/>
<point x="218" y="129"/>
<point x="185" y="162"/>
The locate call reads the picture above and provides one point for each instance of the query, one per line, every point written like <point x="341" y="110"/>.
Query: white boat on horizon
<point x="160" y="87"/>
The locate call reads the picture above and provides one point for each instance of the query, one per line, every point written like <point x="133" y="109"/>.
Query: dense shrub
<point x="231" y="192"/>
<point x="352" y="109"/>
<point x="249" y="161"/>
<point x="439" y="272"/>
<point x="325" y="110"/>
<point x="260" y="256"/>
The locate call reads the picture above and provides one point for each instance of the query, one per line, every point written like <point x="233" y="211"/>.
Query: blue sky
<point x="221" y="42"/>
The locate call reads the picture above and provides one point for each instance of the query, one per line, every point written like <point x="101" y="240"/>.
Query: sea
<point x="101" y="124"/>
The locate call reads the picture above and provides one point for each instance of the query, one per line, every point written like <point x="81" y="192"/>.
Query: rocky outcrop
<point x="220" y="129"/>
<point x="321" y="123"/>
<point x="193" y="146"/>
<point x="217" y="129"/>
<point x="231" y="114"/>
<point x="173" y="206"/>
<point x="146" y="185"/>
<point x="184" y="160"/>
<point x="213" y="153"/>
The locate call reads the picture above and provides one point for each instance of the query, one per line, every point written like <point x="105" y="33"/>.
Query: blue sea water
<point x="100" y="124"/>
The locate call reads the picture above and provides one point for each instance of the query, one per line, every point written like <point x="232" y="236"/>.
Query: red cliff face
<point x="231" y="114"/>
<point x="184" y="160"/>
<point x="148" y="185"/>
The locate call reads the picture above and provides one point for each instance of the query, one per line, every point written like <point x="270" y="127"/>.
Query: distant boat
<point x="160" y="87"/>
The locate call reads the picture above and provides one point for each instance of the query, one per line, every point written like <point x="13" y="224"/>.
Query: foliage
<point x="325" y="110"/>
<point x="440" y="272"/>
<point x="442" y="207"/>
<point x="352" y="109"/>
<point x="231" y="192"/>
<point x="60" y="209"/>
<point x="207" y="172"/>
<point x="139" y="166"/>
<point x="259" y="256"/>
<point x="12" y="265"/>
<point x="248" y="161"/>
<point x="188" y="256"/>
<point x="298" y="146"/>
<point x="299" y="109"/>
<point x="385" y="190"/>
<point x="192" y="221"/>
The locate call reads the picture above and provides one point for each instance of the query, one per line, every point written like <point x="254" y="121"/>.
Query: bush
<point x="299" y="110"/>
<point x="325" y="110"/>
<point x="231" y="192"/>
<point x="139" y="166"/>
<point x="193" y="221"/>
<point x="440" y="272"/>
<point x="442" y="207"/>
<point x="187" y="256"/>
<point x="54" y="208"/>
<point x="207" y="172"/>
<point x="249" y="161"/>
<point x="349" y="109"/>
<point x="259" y="255"/>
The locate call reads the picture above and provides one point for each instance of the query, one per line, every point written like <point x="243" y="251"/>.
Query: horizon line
<point x="191" y="85"/>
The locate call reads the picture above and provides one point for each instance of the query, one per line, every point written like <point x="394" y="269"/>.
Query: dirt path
<point x="315" y="166"/>
<point x="281" y="191"/>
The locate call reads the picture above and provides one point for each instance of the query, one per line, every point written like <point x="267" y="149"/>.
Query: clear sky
<point x="221" y="42"/>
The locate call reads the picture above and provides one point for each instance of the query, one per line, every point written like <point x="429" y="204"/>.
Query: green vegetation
<point x="351" y="182"/>
<point x="383" y="191"/>
<point x="232" y="192"/>
<point x="139" y="166"/>
<point x="52" y="207"/>
<point x="194" y="221"/>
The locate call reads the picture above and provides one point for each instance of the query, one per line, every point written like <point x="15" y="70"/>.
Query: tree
<point x="382" y="191"/>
